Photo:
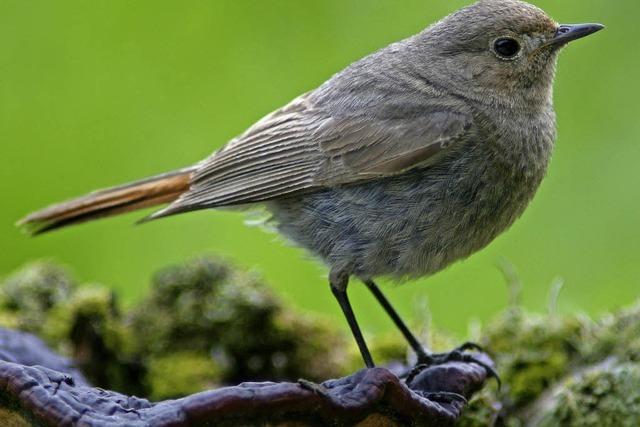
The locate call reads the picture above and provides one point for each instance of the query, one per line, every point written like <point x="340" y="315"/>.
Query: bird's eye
<point x="506" y="48"/>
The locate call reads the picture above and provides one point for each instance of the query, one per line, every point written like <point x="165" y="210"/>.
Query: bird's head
<point x="502" y="49"/>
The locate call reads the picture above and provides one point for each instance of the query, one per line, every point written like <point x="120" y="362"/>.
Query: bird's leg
<point x="339" y="284"/>
<point x="426" y="359"/>
<point x="408" y="335"/>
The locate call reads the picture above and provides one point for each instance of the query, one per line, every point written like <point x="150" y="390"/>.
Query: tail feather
<point x="149" y="192"/>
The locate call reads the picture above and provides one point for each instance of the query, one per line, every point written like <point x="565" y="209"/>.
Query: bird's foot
<point x="318" y="389"/>
<point x="459" y="354"/>
<point x="445" y="397"/>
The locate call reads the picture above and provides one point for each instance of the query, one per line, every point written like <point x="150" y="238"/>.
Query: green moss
<point x="180" y="374"/>
<point x="11" y="418"/>
<point x="203" y="307"/>
<point x="483" y="410"/>
<point x="616" y="334"/>
<point x="201" y="311"/>
<point x="317" y="350"/>
<point x="89" y="327"/>
<point x="385" y="349"/>
<point x="27" y="296"/>
<point x="532" y="351"/>
<point x="537" y="353"/>
<point x="205" y="323"/>
<point x="604" y="396"/>
<point x="206" y="306"/>
<point x="389" y="348"/>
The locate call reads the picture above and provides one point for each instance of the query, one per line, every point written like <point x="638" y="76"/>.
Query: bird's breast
<point x="419" y="222"/>
<point x="487" y="186"/>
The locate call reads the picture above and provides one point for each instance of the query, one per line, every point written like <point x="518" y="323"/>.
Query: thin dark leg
<point x="424" y="358"/>
<point x="408" y="335"/>
<point x="339" y="289"/>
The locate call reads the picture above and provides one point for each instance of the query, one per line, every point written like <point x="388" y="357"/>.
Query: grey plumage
<point x="406" y="161"/>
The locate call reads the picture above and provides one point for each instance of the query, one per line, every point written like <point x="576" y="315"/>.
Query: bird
<point x="408" y="160"/>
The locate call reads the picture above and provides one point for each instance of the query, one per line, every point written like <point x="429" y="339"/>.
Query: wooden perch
<point x="55" y="394"/>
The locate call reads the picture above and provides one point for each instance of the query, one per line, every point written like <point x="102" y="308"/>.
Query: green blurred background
<point x="98" y="93"/>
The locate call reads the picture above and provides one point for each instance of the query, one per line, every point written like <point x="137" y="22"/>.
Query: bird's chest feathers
<point x="520" y="145"/>
<point x="498" y="179"/>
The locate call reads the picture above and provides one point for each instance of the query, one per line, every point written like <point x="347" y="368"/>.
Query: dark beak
<point x="569" y="33"/>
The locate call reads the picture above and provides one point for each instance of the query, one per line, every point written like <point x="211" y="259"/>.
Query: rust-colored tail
<point x="152" y="191"/>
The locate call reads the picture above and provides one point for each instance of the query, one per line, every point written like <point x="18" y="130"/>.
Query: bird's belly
<point x="405" y="226"/>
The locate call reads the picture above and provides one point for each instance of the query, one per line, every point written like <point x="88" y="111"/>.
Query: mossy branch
<point x="206" y="325"/>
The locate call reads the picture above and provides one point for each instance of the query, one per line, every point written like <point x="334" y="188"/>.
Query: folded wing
<point x="301" y="148"/>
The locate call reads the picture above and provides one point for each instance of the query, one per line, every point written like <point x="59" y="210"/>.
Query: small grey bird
<point x="406" y="161"/>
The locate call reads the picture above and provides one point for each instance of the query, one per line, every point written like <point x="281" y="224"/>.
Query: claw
<point x="318" y="389"/>
<point x="491" y="373"/>
<point x="471" y="346"/>
<point x="445" y="397"/>
<point x="414" y="372"/>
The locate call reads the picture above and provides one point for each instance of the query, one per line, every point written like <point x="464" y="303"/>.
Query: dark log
<point x="27" y="349"/>
<point x="52" y="392"/>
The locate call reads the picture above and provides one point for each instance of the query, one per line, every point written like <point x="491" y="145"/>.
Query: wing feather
<point x="302" y="148"/>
